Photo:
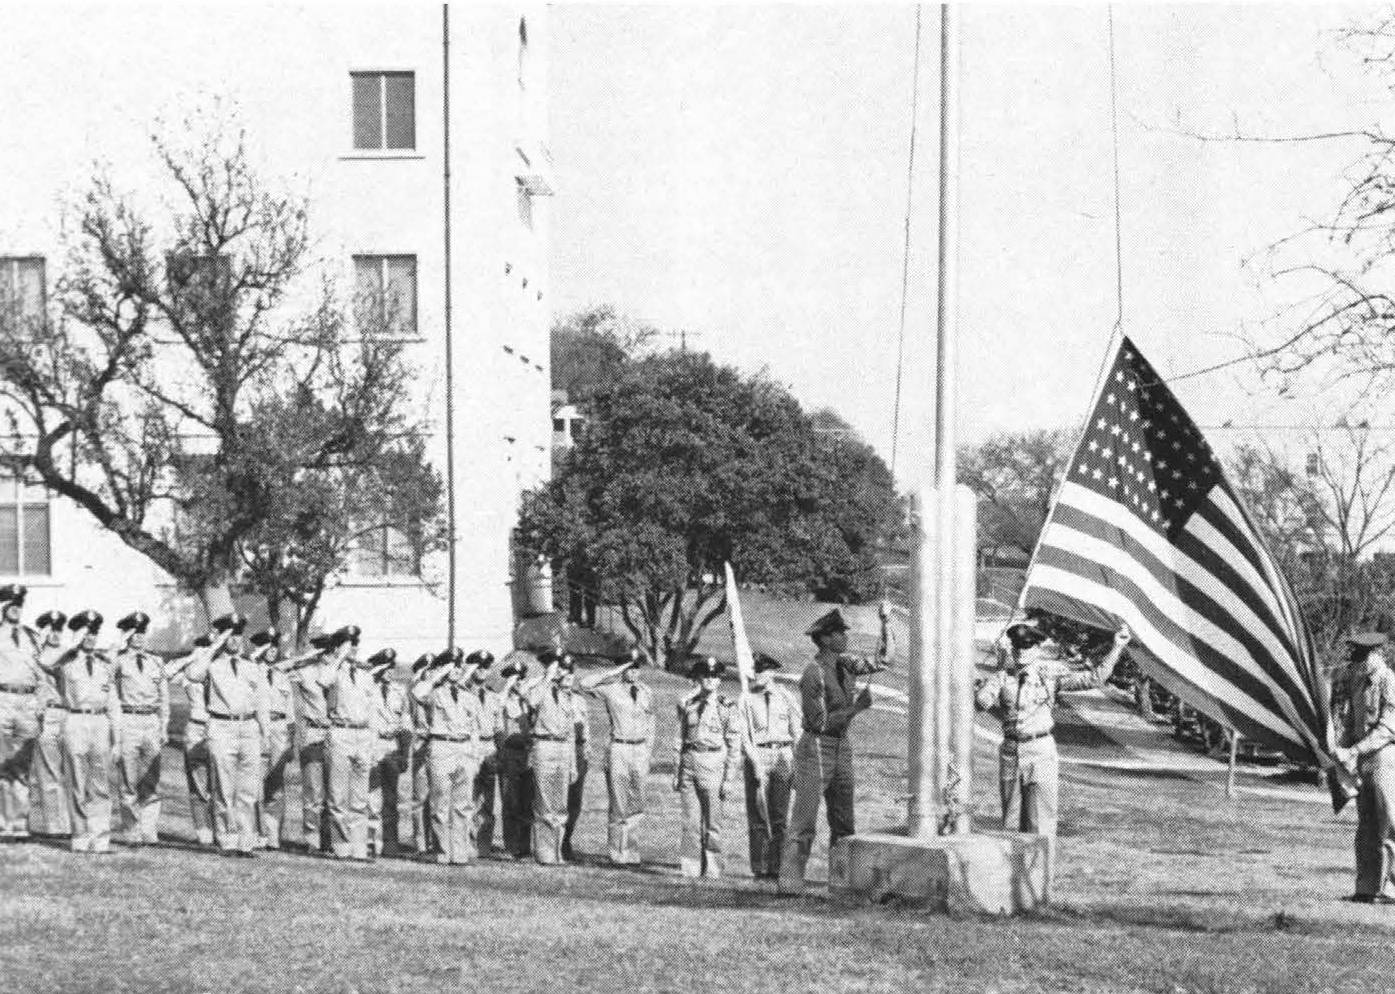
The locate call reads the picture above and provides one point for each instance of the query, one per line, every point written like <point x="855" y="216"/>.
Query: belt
<point x="279" y="716"/>
<point x="139" y="709"/>
<point x="630" y="742"/>
<point x="57" y="706"/>
<point x="1026" y="738"/>
<point x="775" y="745"/>
<point x="452" y="738"/>
<point x="311" y="723"/>
<point x="825" y="735"/>
<point x="14" y="688"/>
<point x="248" y="716"/>
<point x="388" y="736"/>
<point x="552" y="738"/>
<point x="198" y="721"/>
<point x="698" y="748"/>
<point x="356" y="726"/>
<point x="87" y="710"/>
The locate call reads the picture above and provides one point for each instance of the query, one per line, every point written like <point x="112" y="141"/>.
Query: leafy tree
<point x="686" y="463"/>
<point x="590" y="347"/>
<point x="1014" y="475"/>
<point x="189" y="390"/>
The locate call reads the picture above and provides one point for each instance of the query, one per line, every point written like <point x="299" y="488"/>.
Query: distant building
<point x="350" y="105"/>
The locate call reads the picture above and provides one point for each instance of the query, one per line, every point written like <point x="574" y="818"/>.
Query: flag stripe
<point x="1239" y="522"/>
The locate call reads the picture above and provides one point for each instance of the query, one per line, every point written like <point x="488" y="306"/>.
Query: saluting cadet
<point x="277" y="749"/>
<point x="145" y="722"/>
<point x="823" y="757"/>
<point x="552" y="753"/>
<point x="239" y="719"/>
<point x="629" y="705"/>
<point x="198" y="767"/>
<point x="772" y="713"/>
<point x="350" y="744"/>
<point x="1032" y="673"/>
<point x="48" y="794"/>
<point x="488" y="773"/>
<point x="311" y="726"/>
<point x="21" y="686"/>
<point x="514" y="730"/>
<point x="455" y="722"/>
<point x="91" y="730"/>
<point x="421" y="773"/>
<point x="581" y="738"/>
<point x="392" y="729"/>
<point x="709" y="755"/>
<point x="1366" y="750"/>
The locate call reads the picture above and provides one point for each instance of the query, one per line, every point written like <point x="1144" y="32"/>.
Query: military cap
<point x="481" y="658"/>
<point x="234" y="623"/>
<point x="549" y="655"/>
<point x="833" y="621"/>
<point x="349" y="634"/>
<point x="450" y="657"/>
<point x="269" y="637"/>
<point x="764" y="662"/>
<point x="706" y="667"/>
<point x="203" y="641"/>
<point x="89" y="620"/>
<point x="422" y="662"/>
<point x="383" y="657"/>
<point x="1364" y="642"/>
<point x="1024" y="635"/>
<point x="516" y="668"/>
<point x="13" y="593"/>
<point x="54" y="620"/>
<point x="137" y="622"/>
<point x="324" y="640"/>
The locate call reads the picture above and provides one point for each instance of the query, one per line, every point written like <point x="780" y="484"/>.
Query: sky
<point x="741" y="172"/>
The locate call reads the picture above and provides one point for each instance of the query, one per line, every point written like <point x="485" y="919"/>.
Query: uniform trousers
<point x="276" y="759"/>
<point x="627" y="772"/>
<point x="516" y="800"/>
<point x="87" y="763"/>
<point x="198" y="774"/>
<point x="142" y="740"/>
<point x="453" y="766"/>
<point x="576" y="795"/>
<point x="766" y="823"/>
<point x="483" y="789"/>
<point x="700" y="786"/>
<point x="823" y="773"/>
<point x="1375" y="824"/>
<point x="384" y="778"/>
<point x="314" y="792"/>
<point x="422" y="834"/>
<point x="348" y="757"/>
<point x="19" y="730"/>
<point x="552" y="764"/>
<point x="235" y="755"/>
<point x="48" y="796"/>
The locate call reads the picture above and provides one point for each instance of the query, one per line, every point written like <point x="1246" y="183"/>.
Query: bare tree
<point x="1015" y="475"/>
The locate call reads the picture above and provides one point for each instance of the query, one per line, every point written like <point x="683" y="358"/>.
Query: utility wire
<point x="906" y="248"/>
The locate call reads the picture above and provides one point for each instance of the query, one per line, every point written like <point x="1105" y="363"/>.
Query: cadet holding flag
<point x="349" y="745"/>
<point x="145" y="719"/>
<point x="1368" y="751"/>
<point x="48" y="796"/>
<point x="629" y="704"/>
<point x="772" y="714"/>
<point x="392" y="729"/>
<point x="709" y="756"/>
<point x="21" y="685"/>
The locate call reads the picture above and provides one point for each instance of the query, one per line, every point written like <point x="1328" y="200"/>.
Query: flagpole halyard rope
<point x="906" y="248"/>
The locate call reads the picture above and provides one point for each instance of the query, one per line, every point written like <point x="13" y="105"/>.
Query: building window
<point x="22" y="289"/>
<point x="387" y="551"/>
<point x="24" y="529"/>
<point x="385" y="295"/>
<point x="1314" y="464"/>
<point x="385" y="115"/>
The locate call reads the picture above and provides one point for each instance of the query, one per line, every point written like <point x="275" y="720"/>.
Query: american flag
<point x="1146" y="530"/>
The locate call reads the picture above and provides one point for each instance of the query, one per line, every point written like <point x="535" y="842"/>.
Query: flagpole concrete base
<point x="992" y="872"/>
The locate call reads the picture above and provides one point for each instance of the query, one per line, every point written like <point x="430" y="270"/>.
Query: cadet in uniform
<point x="48" y="796"/>
<point x="709" y="754"/>
<point x="552" y="753"/>
<point x="311" y="726"/>
<point x="488" y="773"/>
<point x="197" y="766"/>
<point x="455" y="723"/>
<point x="145" y="722"/>
<point x="277" y="750"/>
<point x="21" y="686"/>
<point x="514" y="732"/>
<point x="421" y="773"/>
<point x="349" y="746"/>
<point x="1366" y="750"/>
<point x="239" y="720"/>
<point x="392" y="729"/>
<point x="772" y="714"/>
<point x="91" y="730"/>
<point x="581" y="738"/>
<point x="629" y="704"/>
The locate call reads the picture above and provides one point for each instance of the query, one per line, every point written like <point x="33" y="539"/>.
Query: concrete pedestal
<point x="993" y="872"/>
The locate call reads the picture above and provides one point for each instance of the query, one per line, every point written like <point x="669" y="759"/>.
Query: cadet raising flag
<point x="1146" y="531"/>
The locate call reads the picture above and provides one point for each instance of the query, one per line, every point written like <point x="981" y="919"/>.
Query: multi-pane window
<point x="21" y="289"/>
<point x="385" y="115"/>
<point x="24" y="529"/>
<point x="385" y="295"/>
<point x="387" y="551"/>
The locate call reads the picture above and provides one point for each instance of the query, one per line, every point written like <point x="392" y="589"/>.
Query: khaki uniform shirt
<point x="553" y="711"/>
<point x="140" y="680"/>
<point x="390" y="713"/>
<point x="514" y="720"/>
<point x="280" y="694"/>
<point x="773" y="715"/>
<point x="349" y="693"/>
<point x="630" y="708"/>
<point x="710" y="723"/>
<point x="86" y="680"/>
<point x="310" y="704"/>
<point x="1370" y="713"/>
<point x="828" y="689"/>
<point x="233" y="685"/>
<point x="19" y="652"/>
<point x="1023" y="701"/>
<point x="453" y="711"/>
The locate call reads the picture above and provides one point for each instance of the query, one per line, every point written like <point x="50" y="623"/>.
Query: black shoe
<point x="1362" y="899"/>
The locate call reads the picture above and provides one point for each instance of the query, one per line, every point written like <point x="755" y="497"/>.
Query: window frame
<point x="382" y="149"/>
<point x="13" y="495"/>
<point x="379" y="535"/>
<point x="409" y="336"/>
<point x="12" y="263"/>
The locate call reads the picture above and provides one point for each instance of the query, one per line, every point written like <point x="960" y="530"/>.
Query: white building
<point x="349" y="105"/>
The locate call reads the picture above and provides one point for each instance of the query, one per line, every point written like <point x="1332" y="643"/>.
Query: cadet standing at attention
<point x="515" y="778"/>
<point x="772" y="713"/>
<point x="488" y="773"/>
<point x="455" y="722"/>
<point x="552" y="755"/>
<point x="21" y="686"/>
<point x="392" y="738"/>
<point x="350" y="744"/>
<point x="48" y="796"/>
<point x="823" y="758"/>
<point x="197" y="765"/>
<point x="311" y="727"/>
<point x="421" y="773"/>
<point x="581" y="739"/>
<point x="629" y="704"/>
<point x="145" y="721"/>
<point x="278" y="749"/>
<point x="91" y="731"/>
<point x="709" y="756"/>
<point x="1367" y="751"/>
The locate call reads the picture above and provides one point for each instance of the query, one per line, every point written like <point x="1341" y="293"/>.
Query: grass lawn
<point x="1164" y="886"/>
